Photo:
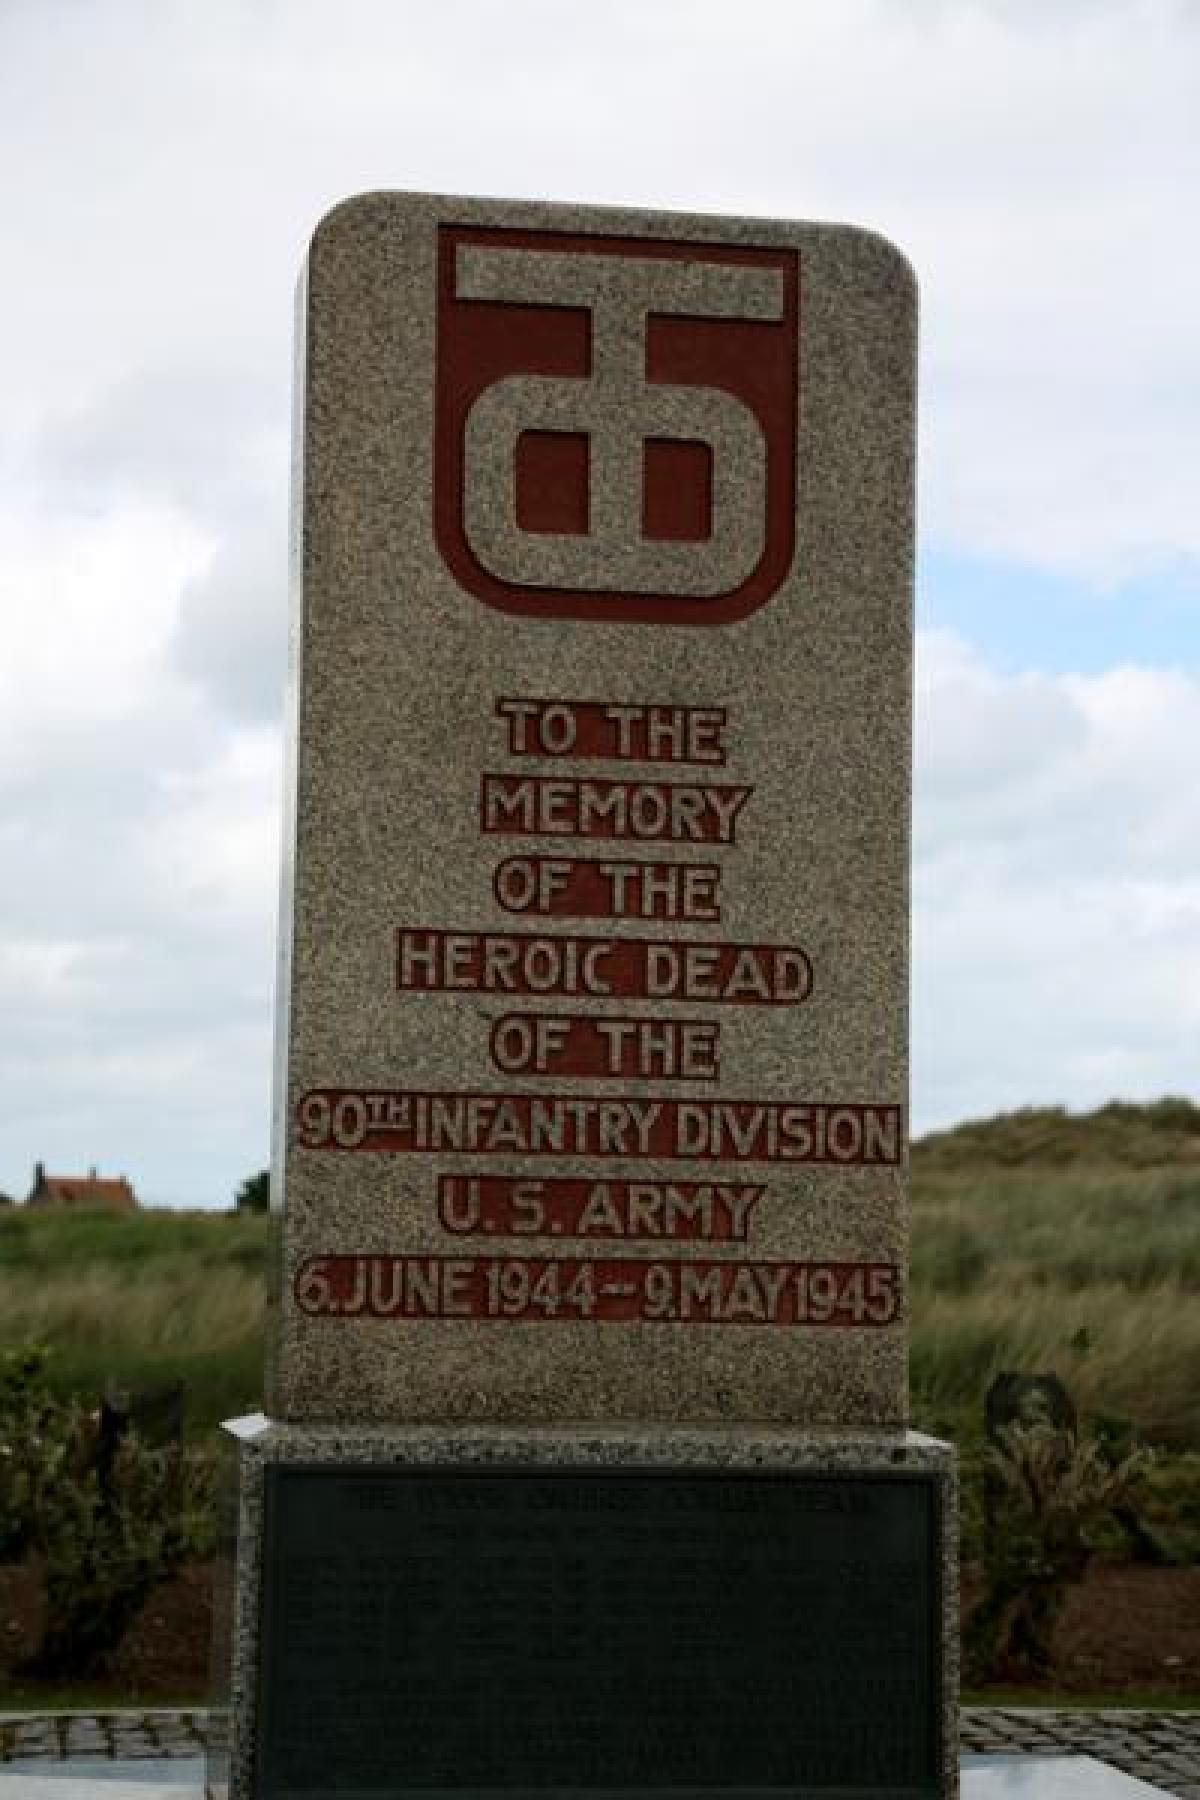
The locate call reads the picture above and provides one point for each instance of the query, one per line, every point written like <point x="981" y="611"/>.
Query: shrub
<point x="106" y="1533"/>
<point x="1046" y="1494"/>
<point x="25" y="1408"/>
<point x="254" y="1195"/>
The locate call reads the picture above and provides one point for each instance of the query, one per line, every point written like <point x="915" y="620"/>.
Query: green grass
<point x="99" y="1697"/>
<point x="44" y="1242"/>
<point x="1089" y="1270"/>
<point x="1068" y="1700"/>
<point x="139" y="1300"/>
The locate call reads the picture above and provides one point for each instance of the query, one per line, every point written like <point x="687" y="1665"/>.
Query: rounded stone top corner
<point x="350" y="218"/>
<point x="880" y="253"/>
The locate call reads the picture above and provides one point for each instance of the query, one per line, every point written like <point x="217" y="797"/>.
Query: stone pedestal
<point x="484" y="1610"/>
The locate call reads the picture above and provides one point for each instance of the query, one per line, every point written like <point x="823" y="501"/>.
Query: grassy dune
<point x="140" y="1300"/>
<point x="1164" y="1134"/>
<point x="1040" y="1241"/>
<point x="1090" y="1270"/>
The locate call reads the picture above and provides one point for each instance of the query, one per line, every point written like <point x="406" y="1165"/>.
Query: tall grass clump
<point x="1045" y="1241"/>
<point x="138" y="1301"/>
<point x="1131" y="1356"/>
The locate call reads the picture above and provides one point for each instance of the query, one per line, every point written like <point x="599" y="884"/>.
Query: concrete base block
<point x="435" y="1608"/>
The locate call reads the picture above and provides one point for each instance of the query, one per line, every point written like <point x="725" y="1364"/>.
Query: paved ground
<point x="1162" y="1748"/>
<point x="121" y="1736"/>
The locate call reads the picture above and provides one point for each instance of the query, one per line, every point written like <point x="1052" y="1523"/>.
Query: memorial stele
<point x="590" y="1136"/>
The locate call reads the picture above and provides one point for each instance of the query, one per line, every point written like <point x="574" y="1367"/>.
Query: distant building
<point x="113" y="1193"/>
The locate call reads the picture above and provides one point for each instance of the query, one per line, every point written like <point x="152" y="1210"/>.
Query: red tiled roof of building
<point x="82" y="1190"/>
<point x="113" y="1192"/>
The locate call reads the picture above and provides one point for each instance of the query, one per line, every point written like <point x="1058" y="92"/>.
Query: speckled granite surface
<point x="784" y="355"/>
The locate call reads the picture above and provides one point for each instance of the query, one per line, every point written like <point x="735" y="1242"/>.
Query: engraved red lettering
<point x="550" y="1045"/>
<point x="576" y="967"/>
<point x="398" y="1121"/>
<point x="616" y="1290"/>
<point x="544" y="806"/>
<point x="613" y="731"/>
<point x="584" y="1207"/>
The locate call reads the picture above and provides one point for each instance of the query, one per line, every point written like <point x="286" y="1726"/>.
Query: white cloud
<point x="139" y="847"/>
<point x="1056" y="891"/>
<point x="1088" y="766"/>
<point x="231" y="634"/>
<point x="215" y="841"/>
<point x="89" y="607"/>
<point x="1039" y="164"/>
<point x="202" y="437"/>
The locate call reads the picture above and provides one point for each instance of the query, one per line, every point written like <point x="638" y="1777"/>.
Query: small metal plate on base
<point x="525" y="1631"/>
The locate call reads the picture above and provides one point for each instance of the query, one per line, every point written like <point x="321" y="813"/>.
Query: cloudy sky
<point x="163" y="164"/>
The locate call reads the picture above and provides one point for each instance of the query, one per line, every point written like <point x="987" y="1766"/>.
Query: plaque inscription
<point x="514" y="1631"/>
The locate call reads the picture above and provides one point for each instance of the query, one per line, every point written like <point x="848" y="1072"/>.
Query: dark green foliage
<point x="25" y="1408"/>
<point x="1170" y="1508"/>
<point x="1047" y="1496"/>
<point x="54" y="1243"/>
<point x="104" y="1538"/>
<point x="1167" y="1131"/>
<point x="254" y="1195"/>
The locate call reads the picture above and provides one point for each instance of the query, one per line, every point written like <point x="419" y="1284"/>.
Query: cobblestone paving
<point x="1162" y="1748"/>
<point x="123" y="1736"/>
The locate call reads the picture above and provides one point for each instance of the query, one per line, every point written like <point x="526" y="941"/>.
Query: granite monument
<point x="585" y="1461"/>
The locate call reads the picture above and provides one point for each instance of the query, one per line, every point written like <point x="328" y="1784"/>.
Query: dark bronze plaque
<point x="545" y="1632"/>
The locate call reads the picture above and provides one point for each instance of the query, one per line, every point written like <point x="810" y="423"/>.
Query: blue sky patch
<point x="1021" y="618"/>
